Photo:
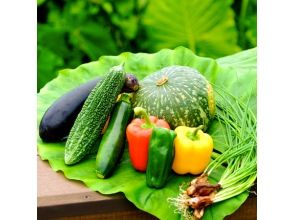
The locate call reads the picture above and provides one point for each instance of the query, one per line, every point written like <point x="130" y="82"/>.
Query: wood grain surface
<point x="62" y="199"/>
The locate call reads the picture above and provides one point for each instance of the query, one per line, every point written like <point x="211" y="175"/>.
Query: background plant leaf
<point x="70" y="37"/>
<point x="205" y="27"/>
<point x="245" y="63"/>
<point x="141" y="64"/>
<point x="79" y="31"/>
<point x="246" y="22"/>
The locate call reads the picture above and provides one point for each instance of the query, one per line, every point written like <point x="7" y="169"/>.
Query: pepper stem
<point x="126" y="97"/>
<point x="139" y="111"/>
<point x="193" y="135"/>
<point x="200" y="127"/>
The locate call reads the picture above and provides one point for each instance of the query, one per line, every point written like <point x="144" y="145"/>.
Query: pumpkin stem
<point x="161" y="81"/>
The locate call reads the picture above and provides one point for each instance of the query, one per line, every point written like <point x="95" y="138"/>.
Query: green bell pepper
<point x="160" y="157"/>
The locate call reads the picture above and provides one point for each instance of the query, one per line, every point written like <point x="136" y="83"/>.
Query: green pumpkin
<point x="178" y="94"/>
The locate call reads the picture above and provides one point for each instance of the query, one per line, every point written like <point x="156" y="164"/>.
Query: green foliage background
<point x="77" y="31"/>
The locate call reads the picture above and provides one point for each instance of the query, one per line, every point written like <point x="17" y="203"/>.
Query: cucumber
<point x="112" y="143"/>
<point x="91" y="120"/>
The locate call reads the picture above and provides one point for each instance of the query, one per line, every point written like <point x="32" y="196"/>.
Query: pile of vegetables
<point x="150" y="123"/>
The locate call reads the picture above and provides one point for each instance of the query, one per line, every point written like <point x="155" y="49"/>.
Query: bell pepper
<point x="160" y="157"/>
<point x="138" y="134"/>
<point x="193" y="149"/>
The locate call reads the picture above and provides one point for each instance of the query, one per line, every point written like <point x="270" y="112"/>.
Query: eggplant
<point x="59" y="118"/>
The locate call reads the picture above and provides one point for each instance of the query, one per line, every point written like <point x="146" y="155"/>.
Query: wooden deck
<point x="63" y="199"/>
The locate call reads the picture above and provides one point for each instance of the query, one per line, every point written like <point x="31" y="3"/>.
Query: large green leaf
<point x="206" y="27"/>
<point x="72" y="34"/>
<point x="245" y="64"/>
<point x="125" y="179"/>
<point x="243" y="61"/>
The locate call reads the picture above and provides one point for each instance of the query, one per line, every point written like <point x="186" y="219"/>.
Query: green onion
<point x="238" y="124"/>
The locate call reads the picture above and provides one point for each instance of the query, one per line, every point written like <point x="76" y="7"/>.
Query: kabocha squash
<point x="91" y="120"/>
<point x="178" y="94"/>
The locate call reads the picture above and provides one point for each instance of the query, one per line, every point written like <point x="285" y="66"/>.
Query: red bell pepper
<point x="138" y="135"/>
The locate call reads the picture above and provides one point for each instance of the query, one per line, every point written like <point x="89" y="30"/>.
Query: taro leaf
<point x="205" y="27"/>
<point x="242" y="61"/>
<point x="245" y="64"/>
<point x="125" y="179"/>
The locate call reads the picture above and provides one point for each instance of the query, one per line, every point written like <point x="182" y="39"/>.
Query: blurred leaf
<point x="52" y="50"/>
<point x="246" y="18"/>
<point x="40" y="2"/>
<point x="52" y="37"/>
<point x="128" y="26"/>
<point x="125" y="17"/>
<point x="48" y="63"/>
<point x="206" y="27"/>
<point x="72" y="35"/>
<point x="107" y="7"/>
<point x="93" y="39"/>
<point x="251" y="32"/>
<point x="141" y="4"/>
<point x="125" y="7"/>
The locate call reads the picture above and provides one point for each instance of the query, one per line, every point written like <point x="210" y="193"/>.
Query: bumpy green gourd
<point x="178" y="94"/>
<point x="93" y="116"/>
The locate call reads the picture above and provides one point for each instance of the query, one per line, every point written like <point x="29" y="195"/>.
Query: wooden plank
<point x="60" y="198"/>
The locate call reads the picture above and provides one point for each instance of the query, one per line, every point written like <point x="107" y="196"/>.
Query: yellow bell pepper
<point x="193" y="149"/>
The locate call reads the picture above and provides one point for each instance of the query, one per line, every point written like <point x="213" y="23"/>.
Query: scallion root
<point x="192" y="202"/>
<point x="181" y="205"/>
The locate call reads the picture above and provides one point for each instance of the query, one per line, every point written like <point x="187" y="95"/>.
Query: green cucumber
<point x="93" y="116"/>
<point x="112" y="143"/>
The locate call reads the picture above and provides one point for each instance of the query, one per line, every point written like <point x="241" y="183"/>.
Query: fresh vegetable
<point x="239" y="124"/>
<point x="60" y="116"/>
<point x="112" y="143"/>
<point x="138" y="136"/>
<point x="178" y="94"/>
<point x="160" y="157"/>
<point x="193" y="149"/>
<point x="91" y="120"/>
<point x="131" y="83"/>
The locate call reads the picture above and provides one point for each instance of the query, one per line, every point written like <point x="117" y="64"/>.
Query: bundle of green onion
<point x="238" y="123"/>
